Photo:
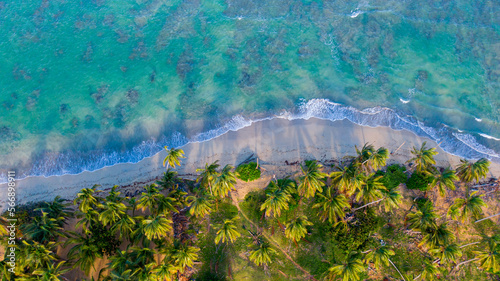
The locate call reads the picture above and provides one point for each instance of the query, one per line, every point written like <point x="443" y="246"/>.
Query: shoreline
<point x="275" y="142"/>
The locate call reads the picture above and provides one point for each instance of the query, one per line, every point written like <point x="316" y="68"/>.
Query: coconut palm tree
<point x="169" y="180"/>
<point x="120" y="262"/>
<point x="173" y="157"/>
<point x="369" y="158"/>
<point x="380" y="256"/>
<point x="423" y="218"/>
<point x="114" y="195"/>
<point x="149" y="199"/>
<point x="468" y="172"/>
<point x="87" y="220"/>
<point x="332" y="205"/>
<point x="447" y="253"/>
<point x="112" y="212"/>
<point x="43" y="229"/>
<point x="201" y="206"/>
<point x="431" y="271"/>
<point x="124" y="225"/>
<point x="277" y="198"/>
<point x="52" y="272"/>
<point x="350" y="270"/>
<point x="296" y="228"/>
<point x="156" y="227"/>
<point x="141" y="256"/>
<point x="185" y="256"/>
<point x="437" y="235"/>
<point x="364" y="155"/>
<point x="227" y="232"/>
<point x="224" y="182"/>
<point x="423" y="157"/>
<point x="166" y="271"/>
<point x="312" y="179"/>
<point x="38" y="255"/>
<point x="443" y="180"/>
<point x="391" y="198"/>
<point x="123" y="276"/>
<point x="208" y="175"/>
<point x="167" y="204"/>
<point x="348" y="179"/>
<point x="262" y="255"/>
<point x="145" y="273"/>
<point x="87" y="199"/>
<point x="84" y="252"/>
<point x="370" y="190"/>
<point x="179" y="198"/>
<point x="57" y="209"/>
<point x="489" y="258"/>
<point x="464" y="208"/>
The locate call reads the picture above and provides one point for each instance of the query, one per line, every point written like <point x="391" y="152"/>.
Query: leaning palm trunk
<point x="487" y="217"/>
<point x="473" y="243"/>
<point x="366" y="205"/>
<point x="397" y="269"/>
<point x="464" y="262"/>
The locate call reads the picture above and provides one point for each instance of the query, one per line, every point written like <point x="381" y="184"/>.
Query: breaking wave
<point x="452" y="141"/>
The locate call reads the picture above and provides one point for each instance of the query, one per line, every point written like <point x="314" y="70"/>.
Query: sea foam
<point x="452" y="141"/>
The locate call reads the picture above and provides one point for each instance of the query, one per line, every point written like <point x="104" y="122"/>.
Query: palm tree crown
<point x="443" y="180"/>
<point x="311" y="180"/>
<point x="469" y="172"/>
<point x="423" y="157"/>
<point x="173" y="157"/>
<point x="465" y="208"/>
<point x="296" y="228"/>
<point x="332" y="205"/>
<point x="278" y="196"/>
<point x="350" y="270"/>
<point x="87" y="199"/>
<point x="262" y="255"/>
<point x="224" y="182"/>
<point x="228" y="232"/>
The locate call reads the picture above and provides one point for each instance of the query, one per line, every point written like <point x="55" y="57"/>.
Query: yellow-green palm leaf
<point x="312" y="180"/>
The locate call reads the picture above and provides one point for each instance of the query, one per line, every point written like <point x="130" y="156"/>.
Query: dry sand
<point x="274" y="142"/>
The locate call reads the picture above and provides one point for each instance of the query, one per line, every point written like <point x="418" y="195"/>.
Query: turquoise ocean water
<point x="91" y="83"/>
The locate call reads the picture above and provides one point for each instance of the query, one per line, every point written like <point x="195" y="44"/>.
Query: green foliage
<point x="393" y="176"/>
<point x="226" y="211"/>
<point x="104" y="239"/>
<point x="355" y="234"/>
<point x="420" y="181"/>
<point x="251" y="205"/>
<point x="248" y="172"/>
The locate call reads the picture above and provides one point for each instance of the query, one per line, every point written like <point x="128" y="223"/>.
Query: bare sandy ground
<point x="279" y="144"/>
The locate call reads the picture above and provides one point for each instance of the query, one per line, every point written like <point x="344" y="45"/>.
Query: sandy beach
<point x="279" y="144"/>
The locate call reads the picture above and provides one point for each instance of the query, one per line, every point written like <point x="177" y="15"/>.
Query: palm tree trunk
<point x="366" y="205"/>
<point x="487" y="218"/>
<point x="473" y="243"/>
<point x="397" y="269"/>
<point x="464" y="262"/>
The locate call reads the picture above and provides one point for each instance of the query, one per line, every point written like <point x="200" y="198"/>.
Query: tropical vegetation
<point x="358" y="219"/>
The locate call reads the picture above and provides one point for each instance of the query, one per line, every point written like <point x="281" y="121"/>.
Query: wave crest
<point x="450" y="140"/>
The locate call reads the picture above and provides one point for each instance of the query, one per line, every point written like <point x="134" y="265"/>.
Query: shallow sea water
<point x="86" y="84"/>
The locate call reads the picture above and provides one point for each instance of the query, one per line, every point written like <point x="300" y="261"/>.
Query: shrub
<point x="356" y="235"/>
<point x="248" y="172"/>
<point x="394" y="176"/>
<point x="419" y="181"/>
<point x="251" y="205"/>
